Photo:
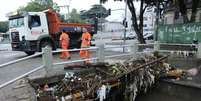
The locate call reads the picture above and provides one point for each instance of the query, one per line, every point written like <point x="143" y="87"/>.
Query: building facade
<point x="113" y="26"/>
<point x="149" y="22"/>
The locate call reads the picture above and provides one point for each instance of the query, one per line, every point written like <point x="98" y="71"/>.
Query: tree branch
<point x="144" y="9"/>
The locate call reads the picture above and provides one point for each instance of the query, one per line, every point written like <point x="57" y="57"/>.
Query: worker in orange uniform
<point x="86" y="38"/>
<point x="64" y="42"/>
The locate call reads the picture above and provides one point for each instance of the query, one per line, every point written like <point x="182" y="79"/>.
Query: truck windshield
<point x="17" y="22"/>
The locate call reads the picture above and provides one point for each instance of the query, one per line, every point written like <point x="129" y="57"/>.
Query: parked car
<point x="148" y="36"/>
<point x="129" y="36"/>
<point x="93" y="42"/>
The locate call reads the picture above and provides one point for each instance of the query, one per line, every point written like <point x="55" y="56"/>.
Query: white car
<point x="93" y="42"/>
<point x="129" y="36"/>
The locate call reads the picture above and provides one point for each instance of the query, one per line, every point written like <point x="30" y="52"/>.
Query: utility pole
<point x="125" y="25"/>
<point x="67" y="7"/>
<point x="100" y="20"/>
<point x="157" y="19"/>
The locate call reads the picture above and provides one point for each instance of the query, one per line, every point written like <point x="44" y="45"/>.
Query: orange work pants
<point x="84" y="54"/>
<point x="65" y="54"/>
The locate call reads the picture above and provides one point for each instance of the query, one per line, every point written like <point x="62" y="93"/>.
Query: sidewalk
<point x="5" y="47"/>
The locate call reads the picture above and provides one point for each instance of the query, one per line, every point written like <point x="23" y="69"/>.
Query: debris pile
<point x="103" y="81"/>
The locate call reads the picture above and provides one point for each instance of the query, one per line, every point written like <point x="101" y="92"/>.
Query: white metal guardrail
<point x="73" y="50"/>
<point x="18" y="60"/>
<point x="48" y="58"/>
<point x="147" y="44"/>
<point x="119" y="46"/>
<point x="22" y="76"/>
<point x="75" y="61"/>
<point x="47" y="62"/>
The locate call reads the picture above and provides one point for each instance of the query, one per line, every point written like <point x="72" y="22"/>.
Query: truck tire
<point x="30" y="52"/>
<point x="45" y="43"/>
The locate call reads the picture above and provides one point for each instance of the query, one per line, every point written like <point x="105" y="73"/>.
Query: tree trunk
<point x="141" y="36"/>
<point x="195" y="4"/>
<point x="183" y="10"/>
<point x="137" y="27"/>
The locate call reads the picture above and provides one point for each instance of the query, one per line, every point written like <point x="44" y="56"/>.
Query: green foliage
<point x="39" y="5"/>
<point x="96" y="11"/>
<point x="4" y="26"/>
<point x="74" y="17"/>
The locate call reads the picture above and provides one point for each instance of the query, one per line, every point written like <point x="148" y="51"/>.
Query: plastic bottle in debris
<point x="102" y="93"/>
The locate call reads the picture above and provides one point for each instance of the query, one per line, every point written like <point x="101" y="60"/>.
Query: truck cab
<point x="31" y="31"/>
<point x="26" y="29"/>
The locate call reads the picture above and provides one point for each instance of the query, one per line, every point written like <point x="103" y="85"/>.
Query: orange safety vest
<point x="64" y="39"/>
<point x="86" y="37"/>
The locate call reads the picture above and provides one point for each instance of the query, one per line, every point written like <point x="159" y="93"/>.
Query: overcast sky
<point x="7" y="6"/>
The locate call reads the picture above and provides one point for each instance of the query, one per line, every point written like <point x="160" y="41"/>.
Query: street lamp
<point x="124" y="23"/>
<point x="157" y="20"/>
<point x="67" y="7"/>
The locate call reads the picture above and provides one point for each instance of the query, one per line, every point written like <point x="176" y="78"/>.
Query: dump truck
<point x="31" y="31"/>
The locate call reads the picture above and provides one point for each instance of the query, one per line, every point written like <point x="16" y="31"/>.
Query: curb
<point x="3" y="49"/>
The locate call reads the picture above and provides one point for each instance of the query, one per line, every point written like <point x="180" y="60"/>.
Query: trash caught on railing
<point x="104" y="81"/>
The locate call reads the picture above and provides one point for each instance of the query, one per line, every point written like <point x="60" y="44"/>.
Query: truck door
<point x="38" y="26"/>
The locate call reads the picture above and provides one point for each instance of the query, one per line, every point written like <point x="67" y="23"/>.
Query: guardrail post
<point x="199" y="51"/>
<point x="101" y="55"/>
<point x="134" y="50"/>
<point x="156" y="46"/>
<point x="47" y="59"/>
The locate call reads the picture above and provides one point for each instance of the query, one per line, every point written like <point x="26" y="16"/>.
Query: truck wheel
<point x="29" y="52"/>
<point x="44" y="44"/>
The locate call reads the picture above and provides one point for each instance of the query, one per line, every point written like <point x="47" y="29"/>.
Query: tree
<point x="182" y="5"/>
<point x="95" y="15"/>
<point x="96" y="11"/>
<point x="74" y="17"/>
<point x="39" y="5"/>
<point x="138" y="27"/>
<point x="195" y="4"/>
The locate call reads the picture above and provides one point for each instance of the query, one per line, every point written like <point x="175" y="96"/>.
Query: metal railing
<point x="48" y="60"/>
<point x="157" y="47"/>
<point x="47" y="55"/>
<point x="20" y="77"/>
<point x="18" y="60"/>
